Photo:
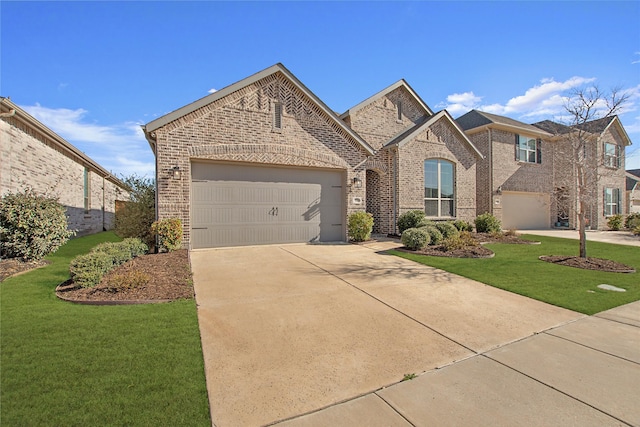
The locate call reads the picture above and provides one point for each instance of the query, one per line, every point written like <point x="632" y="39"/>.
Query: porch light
<point x="176" y="173"/>
<point x="357" y="182"/>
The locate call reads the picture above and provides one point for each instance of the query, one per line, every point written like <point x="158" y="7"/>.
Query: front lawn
<point x="516" y="268"/>
<point x="68" y="364"/>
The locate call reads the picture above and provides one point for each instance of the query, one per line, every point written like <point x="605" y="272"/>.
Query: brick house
<point x="32" y="155"/>
<point x="527" y="178"/>
<point x="633" y="191"/>
<point x="266" y="161"/>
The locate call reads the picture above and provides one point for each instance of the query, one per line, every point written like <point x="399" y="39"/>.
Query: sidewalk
<point x="584" y="373"/>
<point x="616" y="237"/>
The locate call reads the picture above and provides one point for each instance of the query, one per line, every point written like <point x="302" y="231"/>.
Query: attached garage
<point x="525" y="211"/>
<point x="240" y="204"/>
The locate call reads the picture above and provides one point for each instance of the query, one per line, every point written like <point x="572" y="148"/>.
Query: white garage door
<point x="237" y="205"/>
<point x="525" y="211"/>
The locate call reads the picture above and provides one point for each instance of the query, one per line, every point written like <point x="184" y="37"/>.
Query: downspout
<point x="395" y="190"/>
<point x="104" y="189"/>
<point x="490" y="159"/>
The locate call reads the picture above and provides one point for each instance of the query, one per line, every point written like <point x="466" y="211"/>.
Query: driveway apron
<point x="291" y="329"/>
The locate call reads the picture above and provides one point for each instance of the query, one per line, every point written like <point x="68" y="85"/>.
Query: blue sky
<point x="95" y="71"/>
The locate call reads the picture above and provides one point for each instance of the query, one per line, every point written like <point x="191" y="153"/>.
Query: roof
<point x="596" y="127"/>
<point x="632" y="179"/>
<point x="415" y="130"/>
<point x="14" y="111"/>
<point x="552" y="127"/>
<point x="277" y="68"/>
<point x="476" y="121"/>
<point x="384" y="92"/>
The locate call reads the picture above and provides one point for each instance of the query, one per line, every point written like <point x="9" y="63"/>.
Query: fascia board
<point x="621" y="128"/>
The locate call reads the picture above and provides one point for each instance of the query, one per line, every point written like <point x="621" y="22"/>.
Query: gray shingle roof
<point x="552" y="127"/>
<point x="475" y="118"/>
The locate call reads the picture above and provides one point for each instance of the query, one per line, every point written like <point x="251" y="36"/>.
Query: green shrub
<point x="360" y="225"/>
<point x="636" y="230"/>
<point x="137" y="215"/>
<point x="169" y="232"/>
<point x="614" y="222"/>
<point x="129" y="279"/>
<point x="463" y="240"/>
<point x="31" y="225"/>
<point x="415" y="238"/>
<point x="487" y="223"/>
<point x="435" y="235"/>
<point x="447" y="229"/>
<point x="632" y="221"/>
<point x="412" y="219"/>
<point x="87" y="270"/>
<point x="463" y="225"/>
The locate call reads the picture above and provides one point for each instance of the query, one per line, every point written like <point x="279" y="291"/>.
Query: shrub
<point x="636" y="230"/>
<point x="463" y="240"/>
<point x="434" y="234"/>
<point x="129" y="279"/>
<point x="87" y="270"/>
<point x="31" y="225"/>
<point x="169" y="232"/>
<point x="487" y="223"/>
<point x="412" y="219"/>
<point x="360" y="226"/>
<point x="135" y="219"/>
<point x="415" y="238"/>
<point x="447" y="229"/>
<point x="462" y="225"/>
<point x="632" y="221"/>
<point x="615" y="222"/>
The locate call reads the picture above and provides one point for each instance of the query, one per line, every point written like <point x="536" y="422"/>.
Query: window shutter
<point x="619" y="199"/>
<point x="619" y="152"/>
<point x="516" y="147"/>
<point x="538" y="150"/>
<point x="604" y="202"/>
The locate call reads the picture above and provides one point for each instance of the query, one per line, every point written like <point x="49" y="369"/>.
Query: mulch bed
<point x="589" y="263"/>
<point x="13" y="267"/>
<point x="469" y="252"/>
<point x="169" y="278"/>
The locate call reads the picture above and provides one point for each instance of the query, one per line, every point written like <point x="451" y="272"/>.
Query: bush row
<point x="87" y="270"/>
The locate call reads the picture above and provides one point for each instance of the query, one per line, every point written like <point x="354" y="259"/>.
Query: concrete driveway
<point x="292" y="329"/>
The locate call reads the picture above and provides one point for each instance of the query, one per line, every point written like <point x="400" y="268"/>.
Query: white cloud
<point x="212" y="90"/>
<point x="460" y="103"/>
<point x="112" y="146"/>
<point x="637" y="61"/>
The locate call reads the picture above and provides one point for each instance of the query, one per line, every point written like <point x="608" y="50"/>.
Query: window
<point x="277" y="116"/>
<point x="528" y="149"/>
<point x="611" y="155"/>
<point x="87" y="191"/>
<point x="612" y="201"/>
<point x="439" y="188"/>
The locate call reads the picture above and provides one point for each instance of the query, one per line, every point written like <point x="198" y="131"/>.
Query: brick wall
<point x="239" y="127"/>
<point x="30" y="158"/>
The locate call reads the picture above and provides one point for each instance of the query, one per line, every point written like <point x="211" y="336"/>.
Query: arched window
<point x="439" y="188"/>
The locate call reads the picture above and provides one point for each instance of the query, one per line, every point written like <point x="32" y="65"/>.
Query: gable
<point x="254" y="97"/>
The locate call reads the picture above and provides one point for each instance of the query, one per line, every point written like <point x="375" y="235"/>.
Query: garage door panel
<point x="525" y="211"/>
<point x="289" y="206"/>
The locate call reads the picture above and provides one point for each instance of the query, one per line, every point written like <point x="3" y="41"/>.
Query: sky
<point x="94" y="72"/>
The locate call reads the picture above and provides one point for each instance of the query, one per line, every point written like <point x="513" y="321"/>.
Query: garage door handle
<point x="199" y="228"/>
<point x="273" y="211"/>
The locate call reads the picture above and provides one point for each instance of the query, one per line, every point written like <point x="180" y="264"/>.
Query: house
<point x="514" y="180"/>
<point x="264" y="160"/>
<point x="633" y="191"/>
<point x="527" y="178"/>
<point x="32" y="155"/>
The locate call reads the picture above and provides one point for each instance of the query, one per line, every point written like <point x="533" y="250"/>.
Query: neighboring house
<point x="266" y="161"/>
<point x="528" y="179"/>
<point x="515" y="178"/>
<point x="633" y="191"/>
<point x="32" y="155"/>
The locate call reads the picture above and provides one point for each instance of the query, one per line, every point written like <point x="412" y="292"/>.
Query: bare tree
<point x="584" y="106"/>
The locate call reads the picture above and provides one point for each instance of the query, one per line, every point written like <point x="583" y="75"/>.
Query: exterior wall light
<point x="176" y="172"/>
<point x="357" y="182"/>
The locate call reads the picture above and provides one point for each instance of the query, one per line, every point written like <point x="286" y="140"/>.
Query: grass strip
<point x="516" y="268"/>
<point x="68" y="364"/>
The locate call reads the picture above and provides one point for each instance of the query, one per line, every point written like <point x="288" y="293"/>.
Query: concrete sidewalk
<point x="289" y="330"/>
<point x="585" y="373"/>
<point x="616" y="237"/>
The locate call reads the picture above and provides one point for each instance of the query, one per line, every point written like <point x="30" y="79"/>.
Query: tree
<point x="584" y="106"/>
<point x="135" y="219"/>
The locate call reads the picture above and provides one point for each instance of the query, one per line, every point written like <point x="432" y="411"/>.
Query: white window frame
<point x="612" y="201"/>
<point x="523" y="150"/>
<point x="439" y="199"/>
<point x="611" y="160"/>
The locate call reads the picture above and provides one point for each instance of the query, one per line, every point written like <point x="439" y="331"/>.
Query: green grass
<point x="65" y="364"/>
<point x="516" y="268"/>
